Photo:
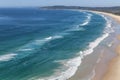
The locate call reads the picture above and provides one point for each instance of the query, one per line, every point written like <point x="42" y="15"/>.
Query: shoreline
<point x="104" y="66"/>
<point x="113" y="68"/>
<point x="114" y="16"/>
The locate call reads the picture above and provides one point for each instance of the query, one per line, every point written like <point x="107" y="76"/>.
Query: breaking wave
<point x="86" y="22"/>
<point x="72" y="64"/>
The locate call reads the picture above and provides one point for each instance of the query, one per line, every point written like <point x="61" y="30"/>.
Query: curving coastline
<point x="113" y="70"/>
<point x="107" y="64"/>
<point x="71" y="65"/>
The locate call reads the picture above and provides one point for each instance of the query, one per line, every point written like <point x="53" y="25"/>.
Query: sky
<point x="37" y="3"/>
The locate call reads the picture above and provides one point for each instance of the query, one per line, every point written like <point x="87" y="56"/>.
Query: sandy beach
<point x="108" y="63"/>
<point x="113" y="71"/>
<point x="116" y="17"/>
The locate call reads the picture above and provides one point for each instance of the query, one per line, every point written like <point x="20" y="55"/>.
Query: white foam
<point x="7" y="57"/>
<point x="110" y="44"/>
<point x="76" y="28"/>
<point x="94" y="44"/>
<point x="87" y="20"/>
<point x="25" y="49"/>
<point x="79" y="27"/>
<point x="49" y="38"/>
<point x="92" y="75"/>
<point x="40" y="42"/>
<point x="108" y="28"/>
<point x="53" y="37"/>
<point x="57" y="37"/>
<point x="71" y="65"/>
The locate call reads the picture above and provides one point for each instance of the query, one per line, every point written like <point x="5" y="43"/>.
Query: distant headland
<point x="114" y="10"/>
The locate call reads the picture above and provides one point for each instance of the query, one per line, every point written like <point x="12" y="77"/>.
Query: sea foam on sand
<point x="74" y="63"/>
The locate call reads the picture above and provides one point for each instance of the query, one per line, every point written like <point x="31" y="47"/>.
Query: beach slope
<point x="113" y="71"/>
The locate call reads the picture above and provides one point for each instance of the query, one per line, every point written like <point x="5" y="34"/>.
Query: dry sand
<point x="107" y="69"/>
<point x="113" y="71"/>
<point x="116" y="17"/>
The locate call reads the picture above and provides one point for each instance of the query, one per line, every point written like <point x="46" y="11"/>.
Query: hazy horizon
<point x="40" y="3"/>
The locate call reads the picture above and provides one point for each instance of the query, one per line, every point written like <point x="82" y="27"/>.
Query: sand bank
<point x="108" y="68"/>
<point x="116" y="17"/>
<point x="113" y="70"/>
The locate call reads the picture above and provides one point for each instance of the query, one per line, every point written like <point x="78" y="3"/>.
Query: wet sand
<point x="115" y="17"/>
<point x="113" y="69"/>
<point x="113" y="72"/>
<point x="105" y="60"/>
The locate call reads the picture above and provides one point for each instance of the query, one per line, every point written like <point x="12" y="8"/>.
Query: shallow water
<point x="46" y="44"/>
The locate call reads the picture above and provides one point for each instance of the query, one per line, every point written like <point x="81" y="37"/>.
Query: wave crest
<point x="87" y="20"/>
<point x="73" y="64"/>
<point x="7" y="57"/>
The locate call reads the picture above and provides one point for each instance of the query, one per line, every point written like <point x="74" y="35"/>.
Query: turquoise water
<point x="43" y="44"/>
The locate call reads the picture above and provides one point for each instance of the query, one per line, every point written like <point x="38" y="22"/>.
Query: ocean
<point x="37" y="44"/>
